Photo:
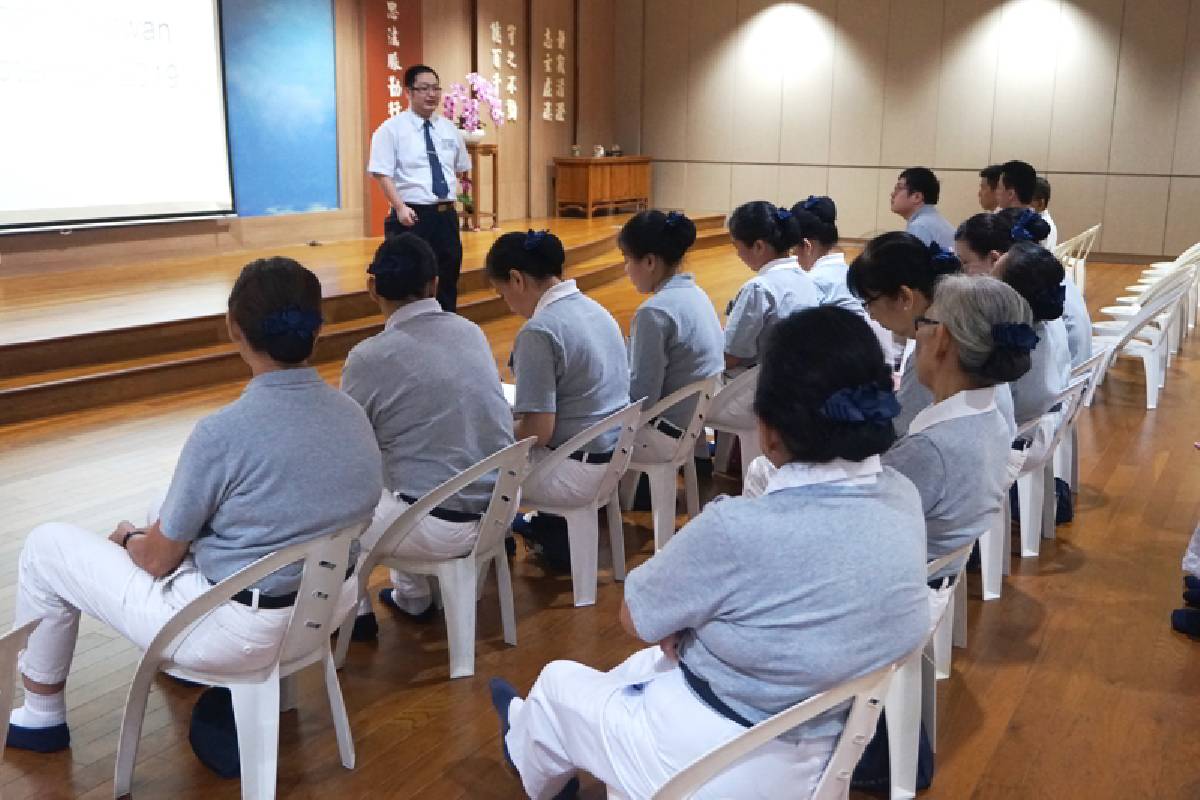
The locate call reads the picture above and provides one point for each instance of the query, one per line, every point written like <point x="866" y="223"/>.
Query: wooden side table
<point x="610" y="182"/>
<point x="477" y="151"/>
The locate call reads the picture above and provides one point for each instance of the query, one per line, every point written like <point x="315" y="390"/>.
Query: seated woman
<point x="290" y="460"/>
<point x="817" y="218"/>
<point x="755" y="605"/>
<point x="973" y="339"/>
<point x="568" y="360"/>
<point x="894" y="277"/>
<point x="675" y="336"/>
<point x="763" y="235"/>
<point x="403" y="378"/>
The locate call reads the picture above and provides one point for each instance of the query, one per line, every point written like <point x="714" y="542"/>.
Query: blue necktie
<point x="435" y="165"/>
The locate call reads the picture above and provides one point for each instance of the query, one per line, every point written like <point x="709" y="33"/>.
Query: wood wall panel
<point x="596" y="95"/>
<point x="664" y="79"/>
<point x="707" y="187"/>
<point x="763" y="54"/>
<point x="885" y="220"/>
<point x="1024" y="97"/>
<point x="1135" y="213"/>
<point x="1085" y="83"/>
<point x="513" y="137"/>
<point x="966" y="91"/>
<point x="797" y="183"/>
<point x="859" y="61"/>
<point x="1147" y="98"/>
<point x="1076" y="202"/>
<point x="711" y="79"/>
<point x="1183" y="215"/>
<point x="754" y="182"/>
<point x="910" y="91"/>
<point x="959" y="198"/>
<point x="668" y="187"/>
<point x="808" y="87"/>
<point x="549" y="138"/>
<point x="1187" y="139"/>
<point x="446" y="38"/>
<point x="628" y="41"/>
<point x="854" y="190"/>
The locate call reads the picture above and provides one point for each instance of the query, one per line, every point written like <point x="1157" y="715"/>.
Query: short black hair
<point x="760" y="220"/>
<point x="276" y="303"/>
<point x="403" y="267"/>
<point x="984" y="233"/>
<point x="817" y="219"/>
<point x="894" y="260"/>
<point x="416" y="70"/>
<point x="653" y="233"/>
<point x="1041" y="190"/>
<point x="539" y="254"/>
<point x="922" y="179"/>
<point x="1021" y="177"/>
<point x="1037" y="276"/>
<point x="991" y="174"/>
<point x="808" y="357"/>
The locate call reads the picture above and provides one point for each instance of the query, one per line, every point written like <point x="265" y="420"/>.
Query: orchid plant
<point x="462" y="104"/>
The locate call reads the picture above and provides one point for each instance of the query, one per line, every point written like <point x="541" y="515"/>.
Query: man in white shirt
<point x="418" y="158"/>
<point x="1041" y="204"/>
<point x="1018" y="179"/>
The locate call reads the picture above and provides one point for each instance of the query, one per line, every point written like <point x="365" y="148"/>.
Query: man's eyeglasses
<point x="919" y="321"/>
<point x="428" y="89"/>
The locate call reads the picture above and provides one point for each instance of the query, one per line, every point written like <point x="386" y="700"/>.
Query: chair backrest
<point x="1147" y="313"/>
<point x="1167" y="283"/>
<point x="733" y="392"/>
<point x="1091" y="234"/>
<point x="1091" y="368"/>
<point x="703" y="392"/>
<point x="866" y="697"/>
<point x="1070" y="401"/>
<point x="959" y="557"/>
<point x="11" y="645"/>
<point x="510" y="465"/>
<point x="626" y="419"/>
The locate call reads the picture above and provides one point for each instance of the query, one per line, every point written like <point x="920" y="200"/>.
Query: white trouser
<point x="572" y="484"/>
<point x="938" y="600"/>
<point x="653" y="446"/>
<point x="1191" y="558"/>
<point x="637" y="725"/>
<point x="432" y="539"/>
<point x="65" y="570"/>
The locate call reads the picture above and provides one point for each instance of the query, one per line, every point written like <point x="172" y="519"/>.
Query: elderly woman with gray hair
<point x="976" y="336"/>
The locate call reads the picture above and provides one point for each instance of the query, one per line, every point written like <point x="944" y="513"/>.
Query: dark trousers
<point x="440" y="230"/>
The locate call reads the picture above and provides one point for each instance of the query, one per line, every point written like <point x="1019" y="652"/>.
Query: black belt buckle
<point x="591" y="458"/>
<point x="667" y="427"/>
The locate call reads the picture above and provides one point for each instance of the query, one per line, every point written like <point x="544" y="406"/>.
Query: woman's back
<point x="779" y="290"/>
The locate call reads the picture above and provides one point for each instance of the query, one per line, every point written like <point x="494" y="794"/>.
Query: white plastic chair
<point x="458" y="579"/>
<point x="11" y="645"/>
<point x="994" y="543"/>
<point x="662" y="474"/>
<point x="1066" y="457"/>
<point x="912" y="697"/>
<point x="582" y="525"/>
<point x="256" y="695"/>
<point x="1035" y="486"/>
<point x="865" y="695"/>
<point x="739" y="392"/>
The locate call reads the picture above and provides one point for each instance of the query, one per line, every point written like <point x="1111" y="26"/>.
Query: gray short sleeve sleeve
<point x="686" y="583"/>
<point x="383" y="152"/>
<point x="197" y="487"/>
<point x="356" y="382"/>
<point x="746" y="322"/>
<point x="916" y="458"/>
<point x="648" y="355"/>
<point x="536" y="368"/>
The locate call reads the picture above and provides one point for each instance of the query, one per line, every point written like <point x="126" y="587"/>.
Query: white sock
<point x="41" y="710"/>
<point x="413" y="605"/>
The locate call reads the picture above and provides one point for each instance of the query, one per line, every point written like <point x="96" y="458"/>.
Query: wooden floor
<point x="1073" y="685"/>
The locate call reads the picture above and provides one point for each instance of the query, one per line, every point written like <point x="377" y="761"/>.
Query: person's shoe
<point x="1186" y="621"/>
<point x="428" y="615"/>
<point x="503" y="693"/>
<point x="510" y="546"/>
<point x="1191" y="582"/>
<point x="39" y="740"/>
<point x="522" y="524"/>
<point x="366" y="628"/>
<point x="1192" y="597"/>
<point x="570" y="791"/>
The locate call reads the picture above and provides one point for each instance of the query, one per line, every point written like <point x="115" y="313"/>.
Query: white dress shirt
<point x="398" y="150"/>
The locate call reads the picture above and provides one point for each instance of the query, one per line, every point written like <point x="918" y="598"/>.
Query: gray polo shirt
<point x="674" y="340"/>
<point x="290" y="460"/>
<point x="569" y="359"/>
<point x="1079" y="323"/>
<point x="1049" y="371"/>
<point x="829" y="274"/>
<point x="430" y="387"/>
<point x="779" y="289"/>
<point x="783" y="596"/>
<point x="956" y="454"/>
<point x="928" y="225"/>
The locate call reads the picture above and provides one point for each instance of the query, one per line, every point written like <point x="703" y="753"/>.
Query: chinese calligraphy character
<point x="510" y="109"/>
<point x="560" y="112"/>
<point x="547" y="39"/>
<point x="496" y="79"/>
<point x="393" y="11"/>
<point x="496" y="54"/>
<point x="562" y="39"/>
<point x="511" y="84"/>
<point x="394" y="107"/>
<point x="560" y="64"/>
<point x="395" y="88"/>
<point x="497" y="36"/>
<point x="394" y="62"/>
<point x="548" y="88"/>
<point x="548" y="111"/>
<point x="548" y="63"/>
<point x="560" y="87"/>
<point x="510" y="58"/>
<point x="512" y="35"/>
<point x="393" y="35"/>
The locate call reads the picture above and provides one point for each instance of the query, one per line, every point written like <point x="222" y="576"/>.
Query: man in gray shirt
<point x="430" y="387"/>
<point x="915" y="198"/>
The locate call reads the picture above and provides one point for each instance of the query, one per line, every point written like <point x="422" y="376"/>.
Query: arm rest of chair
<point x="563" y="451"/>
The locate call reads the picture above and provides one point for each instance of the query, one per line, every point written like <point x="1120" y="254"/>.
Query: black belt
<point x="270" y="601"/>
<point x="667" y="427"/>
<point x="705" y="693"/>
<point x="592" y="458"/>
<point x="444" y="514"/>
<point x="943" y="583"/>
<point x="441" y="207"/>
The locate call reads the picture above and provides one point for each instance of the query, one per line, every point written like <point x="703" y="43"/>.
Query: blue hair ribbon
<point x="1014" y="336"/>
<point x="782" y="214"/>
<point x="940" y="255"/>
<point x="857" y="404"/>
<point x="1020" y="229"/>
<point x="812" y="202"/>
<point x="291" y="321"/>
<point x="674" y="218"/>
<point x="534" y="239"/>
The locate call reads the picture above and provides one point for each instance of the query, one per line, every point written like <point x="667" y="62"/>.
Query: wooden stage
<point x="1072" y="686"/>
<point x="73" y="340"/>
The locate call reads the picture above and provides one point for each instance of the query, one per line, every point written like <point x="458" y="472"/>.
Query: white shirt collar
<point x="779" y="263"/>
<point x="556" y="292"/>
<point x="852" y="473"/>
<point x="417" y="121"/>
<point x="837" y="257"/>
<point x="429" y="305"/>
<point x="963" y="404"/>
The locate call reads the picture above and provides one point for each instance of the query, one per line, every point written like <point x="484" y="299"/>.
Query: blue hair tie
<point x="858" y="404"/>
<point x="1020" y="230"/>
<point x="782" y="214"/>
<point x="812" y="202"/>
<point x="941" y="255"/>
<point x="674" y="218"/>
<point x="534" y="239"/>
<point x="1014" y="336"/>
<point x="291" y="321"/>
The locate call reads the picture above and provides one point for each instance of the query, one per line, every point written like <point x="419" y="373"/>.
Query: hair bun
<point x="1006" y="364"/>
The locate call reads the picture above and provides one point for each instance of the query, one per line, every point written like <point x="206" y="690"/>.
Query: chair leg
<point x="508" y="612"/>
<point x="337" y="710"/>
<point x="960" y="611"/>
<point x="616" y="539"/>
<point x="628" y="488"/>
<point x="343" y="637"/>
<point x="941" y="641"/>
<point x="1031" y="489"/>
<point x="663" y="493"/>
<point x="1049" y="500"/>
<point x="287" y="694"/>
<point x="724" y="451"/>
<point x="1005" y="543"/>
<point x="691" y="487"/>
<point x="929" y="699"/>
<point x="583" y="536"/>
<point x="903" y="707"/>
<point x="991" y="557"/>
<point x="751" y="449"/>
<point x="458" y="579"/>
<point x="1074" y="465"/>
<point x="131" y="729"/>
<point x="256" y="712"/>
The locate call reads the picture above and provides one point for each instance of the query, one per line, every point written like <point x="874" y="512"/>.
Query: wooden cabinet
<point x="611" y="182"/>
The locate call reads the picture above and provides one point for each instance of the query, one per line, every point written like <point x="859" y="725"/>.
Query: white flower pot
<point x="475" y="136"/>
